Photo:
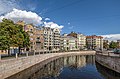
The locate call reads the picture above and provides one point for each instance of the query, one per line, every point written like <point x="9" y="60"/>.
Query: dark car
<point x="117" y="51"/>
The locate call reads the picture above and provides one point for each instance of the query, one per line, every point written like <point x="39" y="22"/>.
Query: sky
<point x="90" y="17"/>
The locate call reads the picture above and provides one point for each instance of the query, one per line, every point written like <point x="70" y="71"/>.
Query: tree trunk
<point x="9" y="51"/>
<point x="19" y="49"/>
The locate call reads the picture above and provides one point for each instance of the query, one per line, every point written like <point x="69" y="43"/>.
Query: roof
<point x="94" y="36"/>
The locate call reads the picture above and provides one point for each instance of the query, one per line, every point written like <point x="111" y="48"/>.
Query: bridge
<point x="12" y="66"/>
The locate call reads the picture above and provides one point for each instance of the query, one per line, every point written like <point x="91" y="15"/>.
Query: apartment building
<point x="94" y="42"/>
<point x="64" y="42"/>
<point x="39" y="44"/>
<point x="56" y="38"/>
<point x="68" y="42"/>
<point x="81" y="41"/>
<point x="30" y="29"/>
<point x="48" y="38"/>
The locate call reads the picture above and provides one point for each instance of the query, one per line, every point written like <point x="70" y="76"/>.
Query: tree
<point x="105" y="45"/>
<point x="12" y="34"/>
<point x="113" y="45"/>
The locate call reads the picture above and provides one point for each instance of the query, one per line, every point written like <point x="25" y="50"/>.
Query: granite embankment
<point x="110" y="61"/>
<point x="12" y="66"/>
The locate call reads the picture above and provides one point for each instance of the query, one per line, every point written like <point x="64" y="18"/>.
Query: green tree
<point x="113" y="45"/>
<point x="12" y="34"/>
<point x="105" y="45"/>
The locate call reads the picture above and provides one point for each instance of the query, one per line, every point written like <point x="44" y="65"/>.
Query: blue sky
<point x="100" y="17"/>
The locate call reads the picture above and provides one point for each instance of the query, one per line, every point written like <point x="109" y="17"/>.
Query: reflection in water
<point x="54" y="68"/>
<point x="108" y="74"/>
<point x="71" y="67"/>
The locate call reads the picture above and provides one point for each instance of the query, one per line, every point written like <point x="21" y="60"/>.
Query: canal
<point x="70" y="67"/>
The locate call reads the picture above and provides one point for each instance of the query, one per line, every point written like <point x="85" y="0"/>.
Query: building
<point x="72" y="42"/>
<point x="64" y="42"/>
<point x="30" y="29"/>
<point x="73" y="34"/>
<point x="81" y="41"/>
<point x="39" y="44"/>
<point x="56" y="38"/>
<point x="68" y="43"/>
<point x="48" y="38"/>
<point x="94" y="42"/>
<point x="22" y="23"/>
<point x="118" y="41"/>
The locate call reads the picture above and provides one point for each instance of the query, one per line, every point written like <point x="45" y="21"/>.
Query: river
<point x="70" y="67"/>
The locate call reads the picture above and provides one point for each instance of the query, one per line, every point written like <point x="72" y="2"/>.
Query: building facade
<point x="94" y="42"/>
<point x="56" y="38"/>
<point x="68" y="43"/>
<point x="81" y="41"/>
<point x="48" y="38"/>
<point x="30" y="29"/>
<point x="39" y="44"/>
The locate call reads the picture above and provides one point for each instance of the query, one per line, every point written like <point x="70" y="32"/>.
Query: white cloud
<point x="52" y="25"/>
<point x="47" y="19"/>
<point x="7" y="6"/>
<point x="27" y="16"/>
<point x="112" y="37"/>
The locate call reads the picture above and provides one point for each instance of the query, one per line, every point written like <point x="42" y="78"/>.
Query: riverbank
<point x="12" y="66"/>
<point x="109" y="61"/>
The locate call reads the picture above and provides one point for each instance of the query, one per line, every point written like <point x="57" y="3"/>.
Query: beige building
<point x="81" y="41"/>
<point x="51" y="38"/>
<point x="31" y="31"/>
<point x="48" y="38"/>
<point x="68" y="42"/>
<point x="94" y="42"/>
<point x="56" y="38"/>
<point x="39" y="40"/>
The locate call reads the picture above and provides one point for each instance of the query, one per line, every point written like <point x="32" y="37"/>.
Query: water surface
<point x="71" y="67"/>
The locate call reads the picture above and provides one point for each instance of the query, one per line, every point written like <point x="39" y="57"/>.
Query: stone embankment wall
<point x="10" y="67"/>
<point x="111" y="62"/>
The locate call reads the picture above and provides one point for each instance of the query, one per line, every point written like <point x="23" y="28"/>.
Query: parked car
<point x="117" y="51"/>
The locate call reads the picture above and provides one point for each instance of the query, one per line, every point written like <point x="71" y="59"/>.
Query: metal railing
<point x="26" y="54"/>
<point x="108" y="53"/>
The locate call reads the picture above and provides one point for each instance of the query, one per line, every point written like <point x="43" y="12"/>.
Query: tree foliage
<point x="105" y="45"/>
<point x="113" y="45"/>
<point x="12" y="34"/>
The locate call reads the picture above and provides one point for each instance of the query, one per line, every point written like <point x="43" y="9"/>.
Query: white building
<point x="68" y="42"/>
<point x="81" y="41"/>
<point x="56" y="38"/>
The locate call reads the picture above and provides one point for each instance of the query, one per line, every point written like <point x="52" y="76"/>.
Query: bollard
<point x="0" y="56"/>
<point x="108" y="54"/>
<point x="34" y="52"/>
<point x="16" y="55"/>
<point x="27" y="54"/>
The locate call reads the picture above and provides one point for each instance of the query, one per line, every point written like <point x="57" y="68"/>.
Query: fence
<point x="26" y="54"/>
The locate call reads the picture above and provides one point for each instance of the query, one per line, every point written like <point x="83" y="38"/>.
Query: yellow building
<point x="95" y="42"/>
